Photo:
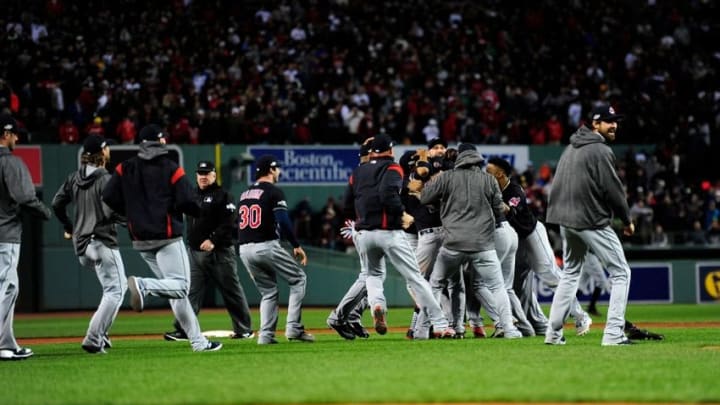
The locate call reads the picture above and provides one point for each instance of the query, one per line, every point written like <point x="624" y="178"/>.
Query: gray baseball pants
<point x="220" y="265"/>
<point x="606" y="245"/>
<point x="452" y="300"/>
<point x="355" y="301"/>
<point x="486" y="267"/>
<point x="506" y="245"/>
<point x="265" y="261"/>
<point x="171" y="266"/>
<point x="375" y="245"/>
<point x="108" y="266"/>
<point x="9" y="288"/>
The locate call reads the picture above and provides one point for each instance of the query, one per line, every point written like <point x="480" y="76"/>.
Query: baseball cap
<point x="151" y="133"/>
<point x="381" y="143"/>
<point x="8" y="123"/>
<point x="605" y="112"/>
<point x="94" y="144"/>
<point x="205" y="167"/>
<point x="436" y="141"/>
<point x="265" y="163"/>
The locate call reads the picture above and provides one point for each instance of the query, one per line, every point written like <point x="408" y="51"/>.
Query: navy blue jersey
<point x="519" y="216"/>
<point x="256" y="213"/>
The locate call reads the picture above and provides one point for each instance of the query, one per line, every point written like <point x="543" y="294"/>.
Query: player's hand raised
<point x="299" y="254"/>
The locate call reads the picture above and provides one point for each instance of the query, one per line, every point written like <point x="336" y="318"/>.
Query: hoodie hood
<point x="585" y="136"/>
<point x="86" y="177"/>
<point x="469" y="158"/>
<point x="150" y="150"/>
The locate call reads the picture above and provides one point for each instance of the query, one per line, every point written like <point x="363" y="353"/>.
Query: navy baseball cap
<point x="265" y="163"/>
<point x="152" y="133"/>
<point x="205" y="167"/>
<point x="381" y="143"/>
<point x="364" y="149"/>
<point x="9" y="124"/>
<point x="605" y="112"/>
<point x="94" y="144"/>
<point x="436" y="141"/>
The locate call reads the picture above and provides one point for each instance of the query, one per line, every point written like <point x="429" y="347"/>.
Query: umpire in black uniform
<point x="212" y="254"/>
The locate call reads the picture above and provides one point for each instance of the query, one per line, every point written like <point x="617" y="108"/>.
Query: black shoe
<point x="246" y="335"/>
<point x="93" y="349"/>
<point x="175" y="336"/>
<point x="359" y="330"/>
<point x="636" y="333"/>
<point x="342" y="329"/>
<point x="211" y="347"/>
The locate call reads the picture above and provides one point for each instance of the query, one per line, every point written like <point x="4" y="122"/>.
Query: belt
<point x="429" y="230"/>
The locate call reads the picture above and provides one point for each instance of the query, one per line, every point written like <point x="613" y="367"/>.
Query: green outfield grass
<point x="683" y="368"/>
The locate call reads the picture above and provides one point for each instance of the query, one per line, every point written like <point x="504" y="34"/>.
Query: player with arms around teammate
<point x="16" y="193"/>
<point x="153" y="192"/>
<point x="373" y="194"/>
<point x="585" y="195"/>
<point x="470" y="200"/>
<point x="212" y="255"/>
<point x="262" y="218"/>
<point x="94" y="236"/>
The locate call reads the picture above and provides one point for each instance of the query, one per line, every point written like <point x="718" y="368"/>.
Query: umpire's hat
<point x="205" y="167"/>
<point x="381" y="143"/>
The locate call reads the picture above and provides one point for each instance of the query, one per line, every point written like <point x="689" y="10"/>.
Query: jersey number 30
<point x="250" y="216"/>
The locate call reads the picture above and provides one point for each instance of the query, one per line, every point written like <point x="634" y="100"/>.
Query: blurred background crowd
<point x="331" y="72"/>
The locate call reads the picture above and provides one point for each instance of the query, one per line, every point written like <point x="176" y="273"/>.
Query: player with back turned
<point x="262" y="219"/>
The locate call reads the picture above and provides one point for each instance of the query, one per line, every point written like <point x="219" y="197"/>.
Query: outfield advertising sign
<point x="649" y="284"/>
<point x="708" y="282"/>
<point x="333" y="165"/>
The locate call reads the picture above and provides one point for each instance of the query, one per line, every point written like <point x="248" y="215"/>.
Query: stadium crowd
<point x="322" y="71"/>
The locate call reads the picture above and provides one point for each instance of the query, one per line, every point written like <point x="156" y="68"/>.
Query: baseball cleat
<point x="379" y="317"/>
<point x="136" y="298"/>
<point x="479" y="332"/>
<point x="107" y="344"/>
<point x="246" y="335"/>
<point x="211" y="347"/>
<point x="94" y="349"/>
<point x="267" y="341"/>
<point x="550" y="341"/>
<point x="620" y="343"/>
<point x="513" y="334"/>
<point x="342" y="329"/>
<point x="359" y="330"/>
<point x="175" y="336"/>
<point x="303" y="337"/>
<point x="583" y="327"/>
<point x="636" y="333"/>
<point x="20" y="353"/>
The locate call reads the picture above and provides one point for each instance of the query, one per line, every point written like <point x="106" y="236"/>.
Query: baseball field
<point x="142" y="368"/>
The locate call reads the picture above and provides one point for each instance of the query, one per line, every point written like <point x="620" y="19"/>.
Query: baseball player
<point x="346" y="318"/>
<point x="212" y="254"/>
<point x="586" y="193"/>
<point x="153" y="192"/>
<point x="94" y="236"/>
<point x="262" y="217"/>
<point x="373" y="194"/>
<point x="16" y="193"/>
<point x="533" y="239"/>
<point x="470" y="202"/>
